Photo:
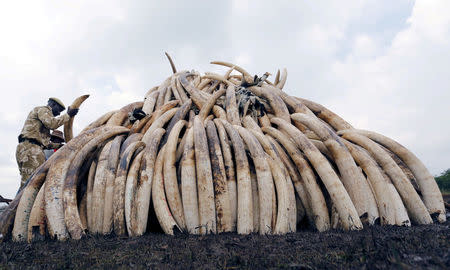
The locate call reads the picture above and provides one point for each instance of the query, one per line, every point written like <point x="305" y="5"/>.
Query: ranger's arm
<point x="50" y="121"/>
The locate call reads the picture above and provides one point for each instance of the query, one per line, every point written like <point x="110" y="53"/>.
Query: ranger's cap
<point x="57" y="100"/>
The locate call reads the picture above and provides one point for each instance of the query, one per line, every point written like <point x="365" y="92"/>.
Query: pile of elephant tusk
<point x="217" y="153"/>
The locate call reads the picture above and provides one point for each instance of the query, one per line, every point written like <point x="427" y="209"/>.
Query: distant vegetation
<point x="443" y="181"/>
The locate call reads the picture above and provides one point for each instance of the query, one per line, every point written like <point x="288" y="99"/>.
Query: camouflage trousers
<point x="29" y="157"/>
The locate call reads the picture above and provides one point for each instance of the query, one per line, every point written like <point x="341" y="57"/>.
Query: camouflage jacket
<point x="39" y="123"/>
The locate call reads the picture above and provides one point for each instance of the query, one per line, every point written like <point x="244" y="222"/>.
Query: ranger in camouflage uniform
<point x="35" y="136"/>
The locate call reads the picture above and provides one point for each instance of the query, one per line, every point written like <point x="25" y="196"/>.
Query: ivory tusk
<point x="119" y="187"/>
<point x="150" y="102"/>
<point x="158" y="123"/>
<point x="229" y="171"/>
<point x="68" y="127"/>
<point x="244" y="188"/>
<point x="100" y="121"/>
<point x="170" y="176"/>
<point x="204" y="112"/>
<point x="172" y="65"/>
<point x="238" y="68"/>
<point x="36" y="223"/>
<point x="221" y="194"/>
<point x="130" y="193"/>
<point x="204" y="179"/>
<point x="110" y="177"/>
<point x="162" y="211"/>
<point x="99" y="188"/>
<point x="265" y="182"/>
<point x="90" y="187"/>
<point x="145" y="182"/>
<point x="231" y="107"/>
<point x="189" y="185"/>
<point x="283" y="79"/>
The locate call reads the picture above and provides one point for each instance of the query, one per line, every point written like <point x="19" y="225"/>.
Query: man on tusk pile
<point x="35" y="135"/>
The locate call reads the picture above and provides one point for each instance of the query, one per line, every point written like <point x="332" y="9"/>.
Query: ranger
<point x="35" y="135"/>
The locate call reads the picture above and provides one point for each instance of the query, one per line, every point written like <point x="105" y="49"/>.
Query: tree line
<point x="443" y="181"/>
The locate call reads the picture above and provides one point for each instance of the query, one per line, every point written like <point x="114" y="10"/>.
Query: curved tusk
<point x="119" y="187"/>
<point x="326" y="115"/>
<point x="158" y="123"/>
<point x="244" y="187"/>
<point x="172" y="65"/>
<point x="130" y="193"/>
<point x="221" y="194"/>
<point x="110" y="176"/>
<point x="231" y="106"/>
<point x="229" y="171"/>
<point x="36" y="223"/>
<point x="219" y="78"/>
<point x="189" y="185"/>
<point x="277" y="78"/>
<point x="204" y="112"/>
<point x="89" y="190"/>
<point x="170" y="176"/>
<point x="98" y="189"/>
<point x="265" y="183"/>
<point x="150" y="102"/>
<point x="238" y="68"/>
<point x="179" y="115"/>
<point x="195" y="93"/>
<point x="68" y="127"/>
<point x="283" y="79"/>
<point x="205" y="186"/>
<point x="144" y="184"/>
<point x="162" y="211"/>
<point x="100" y="121"/>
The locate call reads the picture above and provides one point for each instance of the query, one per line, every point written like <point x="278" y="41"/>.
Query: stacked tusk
<point x="220" y="153"/>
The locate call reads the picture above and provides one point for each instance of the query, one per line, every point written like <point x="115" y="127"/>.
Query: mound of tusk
<point x="220" y="153"/>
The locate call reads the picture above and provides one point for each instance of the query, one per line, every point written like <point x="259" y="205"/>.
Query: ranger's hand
<point x="72" y="112"/>
<point x="58" y="145"/>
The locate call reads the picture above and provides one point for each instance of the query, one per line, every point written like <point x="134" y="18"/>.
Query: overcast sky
<point x="381" y="65"/>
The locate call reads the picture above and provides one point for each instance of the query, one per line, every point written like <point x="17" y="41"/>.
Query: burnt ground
<point x="372" y="248"/>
